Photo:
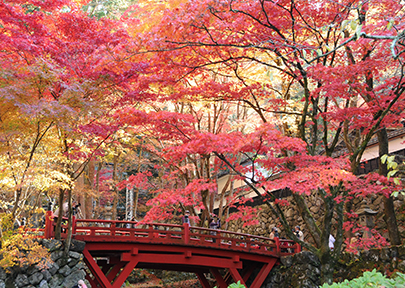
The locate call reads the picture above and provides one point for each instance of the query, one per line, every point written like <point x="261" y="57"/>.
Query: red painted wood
<point x="203" y="281"/>
<point x="257" y="283"/>
<point x="236" y="276"/>
<point x="220" y="281"/>
<point x="248" y="272"/>
<point x="201" y="261"/>
<point x="48" y="224"/>
<point x="100" y="278"/>
<point x="114" y="271"/>
<point x="172" y="247"/>
<point x="124" y="273"/>
<point x="91" y="281"/>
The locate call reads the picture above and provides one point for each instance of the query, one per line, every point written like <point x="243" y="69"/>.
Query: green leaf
<point x="344" y="24"/>
<point x="384" y="158"/>
<point x="396" y="181"/>
<point x="395" y="194"/>
<point x="391" y="173"/>
<point x="358" y="31"/>
<point x="392" y="165"/>
<point x="353" y="25"/>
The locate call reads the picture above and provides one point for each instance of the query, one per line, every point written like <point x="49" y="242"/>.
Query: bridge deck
<point x="114" y="248"/>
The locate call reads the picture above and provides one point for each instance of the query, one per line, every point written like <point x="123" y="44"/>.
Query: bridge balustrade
<point x="130" y="244"/>
<point x="127" y="231"/>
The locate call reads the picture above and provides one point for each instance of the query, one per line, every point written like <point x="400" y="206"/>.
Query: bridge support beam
<point x="236" y="276"/>
<point x="111" y="262"/>
<point x="257" y="283"/>
<point x="203" y="281"/>
<point x="111" y="280"/>
<point x="220" y="281"/>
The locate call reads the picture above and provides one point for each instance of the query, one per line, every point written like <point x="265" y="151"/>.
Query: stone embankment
<point x="303" y="270"/>
<point x="60" y="272"/>
<point x="267" y="219"/>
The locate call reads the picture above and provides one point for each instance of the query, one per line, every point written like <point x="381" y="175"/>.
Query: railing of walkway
<point x="170" y="234"/>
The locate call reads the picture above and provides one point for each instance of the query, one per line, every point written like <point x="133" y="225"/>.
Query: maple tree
<point x="269" y="91"/>
<point x="343" y="61"/>
<point x="191" y="176"/>
<point x="62" y="72"/>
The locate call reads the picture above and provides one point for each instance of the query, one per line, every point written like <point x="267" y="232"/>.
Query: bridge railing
<point x="115" y="230"/>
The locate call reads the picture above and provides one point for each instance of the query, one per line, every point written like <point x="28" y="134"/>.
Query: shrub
<point x="371" y="279"/>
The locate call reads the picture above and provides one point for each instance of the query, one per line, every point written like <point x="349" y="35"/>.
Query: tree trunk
<point x="389" y="212"/>
<point x="136" y="199"/>
<point x="115" y="190"/>
<point x="58" y="226"/>
<point x="325" y="255"/>
<point x="97" y="211"/>
<point x="327" y="267"/>
<point x="70" y="222"/>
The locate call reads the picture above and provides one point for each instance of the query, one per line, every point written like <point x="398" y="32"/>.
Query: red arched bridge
<point x="114" y="248"/>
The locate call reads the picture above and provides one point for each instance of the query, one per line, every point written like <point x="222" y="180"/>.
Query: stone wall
<point x="315" y="204"/>
<point x="386" y="260"/>
<point x="267" y="219"/>
<point x="302" y="270"/>
<point x="61" y="271"/>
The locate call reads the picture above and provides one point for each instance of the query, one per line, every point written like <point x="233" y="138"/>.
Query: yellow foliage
<point x="20" y="249"/>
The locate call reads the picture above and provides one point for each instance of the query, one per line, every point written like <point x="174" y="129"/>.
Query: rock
<point x="56" y="281"/>
<point x="306" y="257"/>
<point x="65" y="270"/>
<point x="75" y="255"/>
<point x="56" y="255"/>
<point x="43" y="284"/>
<point x="62" y="261"/>
<point x="32" y="270"/>
<point x="73" y="262"/>
<point x="289" y="213"/>
<point x="385" y="254"/>
<point x="79" y="266"/>
<point x="377" y="201"/>
<point x="77" y="246"/>
<point x="21" y="280"/>
<point x="36" y="278"/>
<point x="47" y="274"/>
<point x="3" y="274"/>
<point x="287" y="261"/>
<point x="73" y="278"/>
<point x="2" y="284"/>
<point x="370" y="255"/>
<point x="53" y="268"/>
<point x="52" y="244"/>
<point x="401" y="266"/>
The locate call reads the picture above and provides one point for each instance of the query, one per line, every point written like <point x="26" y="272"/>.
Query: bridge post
<point x="186" y="228"/>
<point x="278" y="250"/>
<point x="73" y="225"/>
<point x="48" y="224"/>
<point x="298" y="249"/>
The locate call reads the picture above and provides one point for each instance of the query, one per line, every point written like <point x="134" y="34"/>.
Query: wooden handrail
<point x="116" y="230"/>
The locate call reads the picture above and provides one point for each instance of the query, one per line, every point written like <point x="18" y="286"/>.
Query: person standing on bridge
<point x="186" y="217"/>
<point x="274" y="233"/>
<point x="65" y="210"/>
<point x="77" y="212"/>
<point x="214" y="224"/>
<point x="299" y="233"/>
